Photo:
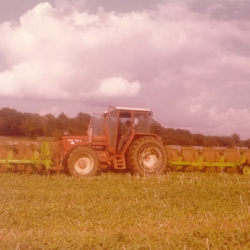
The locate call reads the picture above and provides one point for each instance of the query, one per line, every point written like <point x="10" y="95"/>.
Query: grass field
<point x="118" y="211"/>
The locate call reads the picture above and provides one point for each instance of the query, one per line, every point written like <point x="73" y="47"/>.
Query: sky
<point x="187" y="61"/>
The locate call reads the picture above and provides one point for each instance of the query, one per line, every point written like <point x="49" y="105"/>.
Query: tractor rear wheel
<point x="146" y="156"/>
<point x="83" y="162"/>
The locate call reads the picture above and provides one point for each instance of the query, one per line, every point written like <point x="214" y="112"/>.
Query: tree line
<point x="14" y="123"/>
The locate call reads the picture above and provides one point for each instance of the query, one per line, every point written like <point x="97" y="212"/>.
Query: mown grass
<point x="118" y="211"/>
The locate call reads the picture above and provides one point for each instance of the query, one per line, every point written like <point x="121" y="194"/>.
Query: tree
<point x="10" y="122"/>
<point x="82" y="122"/>
<point x="199" y="139"/>
<point x="236" y="139"/>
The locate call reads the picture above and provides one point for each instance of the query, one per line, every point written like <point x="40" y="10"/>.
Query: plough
<point x="218" y="159"/>
<point x="19" y="156"/>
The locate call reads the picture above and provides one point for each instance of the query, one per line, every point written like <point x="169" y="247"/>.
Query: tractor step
<point x="119" y="161"/>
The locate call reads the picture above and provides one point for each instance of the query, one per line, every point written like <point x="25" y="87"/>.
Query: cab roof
<point x="134" y="109"/>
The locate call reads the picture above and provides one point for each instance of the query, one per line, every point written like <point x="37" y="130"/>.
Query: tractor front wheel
<point x="146" y="156"/>
<point x="83" y="162"/>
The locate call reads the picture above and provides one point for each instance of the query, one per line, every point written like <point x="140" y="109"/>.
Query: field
<point x="118" y="211"/>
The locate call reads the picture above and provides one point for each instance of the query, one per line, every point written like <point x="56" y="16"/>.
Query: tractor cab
<point x="109" y="127"/>
<point x="115" y="125"/>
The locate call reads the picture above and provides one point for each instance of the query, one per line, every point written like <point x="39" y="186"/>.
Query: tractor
<point x="143" y="152"/>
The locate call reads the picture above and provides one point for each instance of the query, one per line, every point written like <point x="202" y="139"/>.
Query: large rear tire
<point x="147" y="156"/>
<point x="83" y="162"/>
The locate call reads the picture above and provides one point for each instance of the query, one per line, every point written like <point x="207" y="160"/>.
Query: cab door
<point x="111" y="125"/>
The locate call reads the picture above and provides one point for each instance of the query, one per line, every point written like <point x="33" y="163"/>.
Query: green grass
<point x="114" y="211"/>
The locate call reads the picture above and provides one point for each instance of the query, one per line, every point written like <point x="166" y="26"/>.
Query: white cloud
<point x="231" y="121"/>
<point x="212" y="111"/>
<point x="117" y="86"/>
<point x="175" y="59"/>
<point x="195" y="108"/>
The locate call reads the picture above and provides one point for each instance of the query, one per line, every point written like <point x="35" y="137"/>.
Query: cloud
<point x="231" y="121"/>
<point x="195" y="108"/>
<point x="189" y="62"/>
<point x="117" y="87"/>
<point x="63" y="5"/>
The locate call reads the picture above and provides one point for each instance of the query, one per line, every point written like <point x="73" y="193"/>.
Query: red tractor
<point x="142" y="152"/>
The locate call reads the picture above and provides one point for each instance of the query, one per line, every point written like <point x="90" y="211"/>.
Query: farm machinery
<point x="142" y="152"/>
<point x="209" y="159"/>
